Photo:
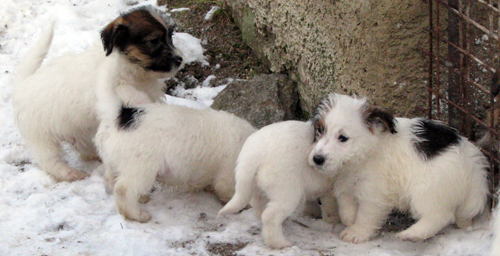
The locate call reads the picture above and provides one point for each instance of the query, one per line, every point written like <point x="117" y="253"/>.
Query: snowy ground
<point x="39" y="216"/>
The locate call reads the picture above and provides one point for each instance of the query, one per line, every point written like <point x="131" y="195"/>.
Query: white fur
<point x="179" y="146"/>
<point x="273" y="174"/>
<point x="378" y="171"/>
<point x="57" y="102"/>
<point x="495" y="247"/>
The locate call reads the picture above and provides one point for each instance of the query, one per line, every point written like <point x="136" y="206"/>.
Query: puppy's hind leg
<point x="281" y="205"/>
<point x="427" y="226"/>
<point x="48" y="155"/>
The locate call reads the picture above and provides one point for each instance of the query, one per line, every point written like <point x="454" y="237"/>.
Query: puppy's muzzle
<point x="319" y="159"/>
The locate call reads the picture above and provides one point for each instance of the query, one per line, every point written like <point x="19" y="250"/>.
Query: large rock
<point x="365" y="47"/>
<point x="263" y="100"/>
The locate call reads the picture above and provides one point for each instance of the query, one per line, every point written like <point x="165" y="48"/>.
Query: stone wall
<point x="367" y="47"/>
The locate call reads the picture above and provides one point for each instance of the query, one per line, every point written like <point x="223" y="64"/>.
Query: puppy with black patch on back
<point x="185" y="148"/>
<point x="56" y="102"/>
<point x="273" y="175"/>
<point x="385" y="163"/>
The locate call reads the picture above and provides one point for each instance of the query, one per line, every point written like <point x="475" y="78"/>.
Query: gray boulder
<point x="264" y="100"/>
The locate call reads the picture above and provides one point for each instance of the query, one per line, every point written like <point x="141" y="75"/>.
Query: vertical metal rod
<point x="438" y="71"/>
<point x="454" y="91"/>
<point x="431" y="62"/>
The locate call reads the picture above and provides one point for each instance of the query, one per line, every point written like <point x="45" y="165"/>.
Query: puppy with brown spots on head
<point x="190" y="149"/>
<point x="56" y="102"/>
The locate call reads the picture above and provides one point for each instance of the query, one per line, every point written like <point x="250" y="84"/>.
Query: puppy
<point x="56" y="103"/>
<point x="273" y="174"/>
<point x="383" y="163"/>
<point x="179" y="146"/>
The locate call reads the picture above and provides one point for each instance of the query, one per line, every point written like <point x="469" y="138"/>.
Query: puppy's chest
<point x="371" y="183"/>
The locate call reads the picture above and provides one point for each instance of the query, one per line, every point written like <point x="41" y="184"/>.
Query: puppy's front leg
<point x="368" y="219"/>
<point x="329" y="209"/>
<point x="348" y="208"/>
<point x="130" y="185"/>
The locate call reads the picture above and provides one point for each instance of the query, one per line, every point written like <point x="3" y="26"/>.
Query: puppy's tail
<point x="245" y="185"/>
<point x="33" y="59"/>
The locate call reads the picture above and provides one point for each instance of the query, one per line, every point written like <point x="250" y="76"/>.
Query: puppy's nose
<point x="178" y="60"/>
<point x="319" y="159"/>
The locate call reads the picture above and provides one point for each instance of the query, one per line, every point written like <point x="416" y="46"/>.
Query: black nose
<point x="319" y="159"/>
<point x="178" y="60"/>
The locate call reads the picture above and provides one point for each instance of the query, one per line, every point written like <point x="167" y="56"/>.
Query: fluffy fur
<point x="56" y="102"/>
<point x="382" y="163"/>
<point x="495" y="247"/>
<point x="176" y="145"/>
<point x="273" y="174"/>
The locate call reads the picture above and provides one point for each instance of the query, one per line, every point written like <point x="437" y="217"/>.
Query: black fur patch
<point x="128" y="117"/>
<point x="434" y="137"/>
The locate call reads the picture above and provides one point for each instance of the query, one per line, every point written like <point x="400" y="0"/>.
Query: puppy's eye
<point x="155" y="43"/>
<point x="343" y="138"/>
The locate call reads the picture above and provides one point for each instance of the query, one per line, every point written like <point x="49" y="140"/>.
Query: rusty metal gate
<point x="463" y="57"/>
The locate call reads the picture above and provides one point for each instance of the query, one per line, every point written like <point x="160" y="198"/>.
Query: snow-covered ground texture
<point x="39" y="216"/>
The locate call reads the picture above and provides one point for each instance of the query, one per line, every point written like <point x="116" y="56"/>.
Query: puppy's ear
<point x="111" y="34"/>
<point x="378" y="119"/>
<point x="171" y="29"/>
<point x="320" y="111"/>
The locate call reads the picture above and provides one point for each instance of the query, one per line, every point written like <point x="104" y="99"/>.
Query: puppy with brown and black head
<point x="185" y="148"/>
<point x="56" y="102"/>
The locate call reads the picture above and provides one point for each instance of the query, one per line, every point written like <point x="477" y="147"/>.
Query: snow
<point x="39" y="216"/>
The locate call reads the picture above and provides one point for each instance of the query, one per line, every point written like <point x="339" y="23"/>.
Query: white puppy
<point x="273" y="174"/>
<point x="57" y="102"/>
<point x="415" y="165"/>
<point x="176" y="145"/>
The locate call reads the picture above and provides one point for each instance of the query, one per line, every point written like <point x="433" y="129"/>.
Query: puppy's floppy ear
<point x="170" y="31"/>
<point x="320" y="111"/>
<point x="376" y="118"/>
<point x="112" y="34"/>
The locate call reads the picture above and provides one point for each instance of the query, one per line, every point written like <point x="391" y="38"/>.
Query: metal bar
<point x="489" y="5"/>
<point x="470" y="55"/>
<point x="455" y="11"/>
<point x="475" y="84"/>
<point x="455" y="91"/>
<point x="466" y="38"/>
<point x="429" y="97"/>
<point x="438" y="70"/>
<point x="492" y="130"/>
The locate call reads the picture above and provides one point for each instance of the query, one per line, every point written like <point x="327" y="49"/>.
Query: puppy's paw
<point x="75" y="175"/>
<point x="356" y="235"/>
<point x="409" y="235"/>
<point x="279" y="244"/>
<point x="143" y="217"/>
